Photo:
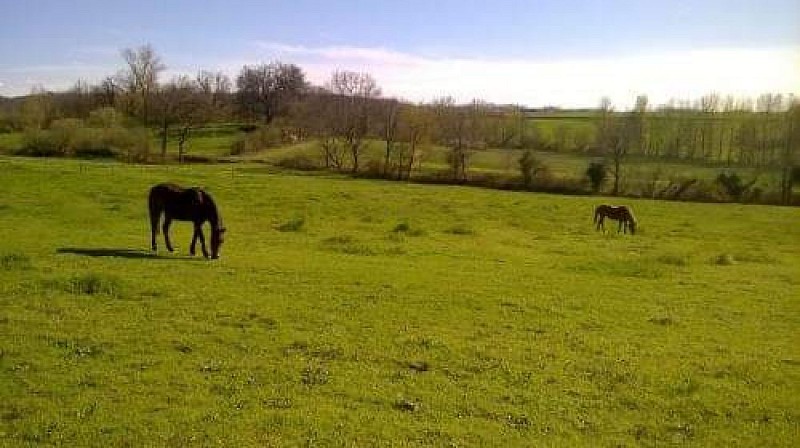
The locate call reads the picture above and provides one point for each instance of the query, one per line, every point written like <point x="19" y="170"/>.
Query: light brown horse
<point x="619" y="213"/>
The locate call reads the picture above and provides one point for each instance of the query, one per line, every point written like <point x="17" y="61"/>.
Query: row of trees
<point x="348" y="111"/>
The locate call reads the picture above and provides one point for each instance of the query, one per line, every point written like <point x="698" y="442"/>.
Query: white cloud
<point x="343" y="53"/>
<point x="578" y="82"/>
<point x="19" y="80"/>
<point x="532" y="82"/>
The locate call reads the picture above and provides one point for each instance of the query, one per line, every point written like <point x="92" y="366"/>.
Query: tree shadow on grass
<point x="121" y="253"/>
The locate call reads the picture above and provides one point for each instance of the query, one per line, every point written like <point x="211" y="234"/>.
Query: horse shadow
<point x="120" y="253"/>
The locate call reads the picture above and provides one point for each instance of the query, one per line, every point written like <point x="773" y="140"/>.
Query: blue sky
<point x="566" y="53"/>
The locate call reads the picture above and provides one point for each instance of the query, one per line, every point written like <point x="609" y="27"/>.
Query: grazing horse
<point x="619" y="213"/>
<point x="185" y="204"/>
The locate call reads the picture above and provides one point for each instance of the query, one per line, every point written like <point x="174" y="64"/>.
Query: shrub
<point x="39" y="143"/>
<point x="90" y="143"/>
<point x="106" y="117"/>
<point x="531" y="168"/>
<point x="375" y="169"/>
<point x="133" y="143"/>
<point x="724" y="260"/>
<point x="66" y="138"/>
<point x="597" y="174"/>
<point x="406" y="228"/>
<point x="734" y="186"/>
<point x="401" y="227"/>
<point x="264" y="137"/>
<point x="562" y="185"/>
<point x="299" y="162"/>
<point x="293" y="225"/>
<point x="14" y="261"/>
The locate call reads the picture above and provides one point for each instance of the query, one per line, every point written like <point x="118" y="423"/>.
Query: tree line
<point x="275" y="104"/>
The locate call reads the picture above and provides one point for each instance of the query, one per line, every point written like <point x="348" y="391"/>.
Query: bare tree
<point x="106" y="92"/>
<point x="389" y="128"/>
<point x="463" y="129"/>
<point x="617" y="137"/>
<point x="413" y="129"/>
<point x="709" y="106"/>
<point x="216" y="87"/>
<point x="77" y="101"/>
<point x="791" y="151"/>
<point x="354" y="95"/>
<point x="768" y="105"/>
<point x="266" y="91"/>
<point x="37" y="110"/>
<point x="141" y="76"/>
<point x="180" y="103"/>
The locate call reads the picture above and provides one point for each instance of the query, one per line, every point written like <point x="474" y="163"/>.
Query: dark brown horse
<point x="619" y="213"/>
<point x="185" y="204"/>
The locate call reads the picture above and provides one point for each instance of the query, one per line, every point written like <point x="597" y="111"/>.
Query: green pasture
<point x="636" y="171"/>
<point x="370" y="313"/>
<point x="10" y="141"/>
<point x="215" y="141"/>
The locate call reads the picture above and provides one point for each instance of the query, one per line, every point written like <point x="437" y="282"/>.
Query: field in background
<point x="355" y="312"/>
<point x="215" y="143"/>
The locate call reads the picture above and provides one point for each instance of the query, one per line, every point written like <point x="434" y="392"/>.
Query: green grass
<point x="10" y="141"/>
<point x="395" y="314"/>
<point x="215" y="142"/>
<point x="637" y="173"/>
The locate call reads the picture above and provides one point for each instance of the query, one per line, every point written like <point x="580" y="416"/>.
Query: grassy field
<point x="363" y="313"/>
<point x="636" y="172"/>
<point x="10" y="141"/>
<point x="215" y="142"/>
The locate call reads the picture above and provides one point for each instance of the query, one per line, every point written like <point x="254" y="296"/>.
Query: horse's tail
<point x="596" y="214"/>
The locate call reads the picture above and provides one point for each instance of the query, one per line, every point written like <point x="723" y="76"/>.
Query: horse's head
<point x="217" y="238"/>
<point x="632" y="224"/>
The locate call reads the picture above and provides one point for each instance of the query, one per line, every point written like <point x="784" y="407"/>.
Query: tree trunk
<point x="355" y="151"/>
<point x="181" y="141"/>
<point x="387" y="157"/>
<point x="164" y="136"/>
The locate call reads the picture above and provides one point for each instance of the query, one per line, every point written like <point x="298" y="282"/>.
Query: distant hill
<point x="10" y="103"/>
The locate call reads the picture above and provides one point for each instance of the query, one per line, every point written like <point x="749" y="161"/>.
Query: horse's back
<point x="166" y="189"/>
<point x="185" y="204"/>
<point x="613" y="211"/>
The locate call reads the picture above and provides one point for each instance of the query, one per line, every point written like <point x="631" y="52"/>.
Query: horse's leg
<point x="620" y="225"/>
<point x="198" y="234"/>
<point x="198" y="231"/>
<point x="194" y="239"/>
<point x="165" y="229"/>
<point x="153" y="230"/>
<point x="155" y="216"/>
